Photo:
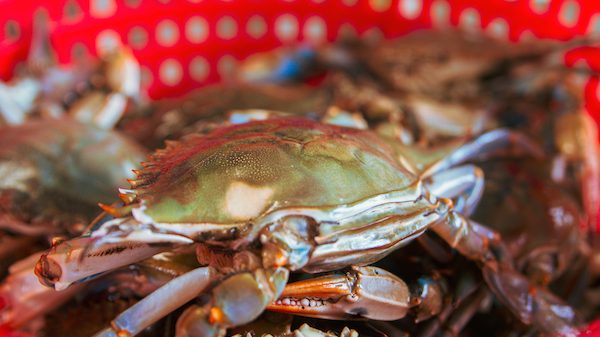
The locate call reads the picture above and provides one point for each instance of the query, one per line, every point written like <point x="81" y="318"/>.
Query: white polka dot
<point x="286" y="27"/>
<point x="226" y="67"/>
<point x="594" y="25"/>
<point x="256" y="27"/>
<point x="167" y="33"/>
<point x="170" y="72"/>
<point x="199" y="68"/>
<point x="196" y="29"/>
<point x="469" y="19"/>
<point x="137" y="37"/>
<point x="410" y="9"/>
<point x="146" y="77"/>
<point x="440" y="13"/>
<point x="539" y="6"/>
<point x="569" y="13"/>
<point x="498" y="28"/>
<point x="315" y="29"/>
<point x="226" y="28"/>
<point x="107" y="41"/>
<point x="380" y="5"/>
<point x="102" y="8"/>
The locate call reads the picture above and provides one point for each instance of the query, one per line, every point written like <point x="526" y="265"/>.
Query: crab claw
<point x="368" y="292"/>
<point x="79" y="259"/>
<point x="532" y="305"/>
<point x="23" y="298"/>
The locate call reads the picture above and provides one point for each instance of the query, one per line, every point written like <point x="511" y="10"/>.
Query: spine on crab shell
<point x="146" y="176"/>
<point x="127" y="198"/>
<point x="142" y="180"/>
<point x="116" y="212"/>
<point x="149" y="165"/>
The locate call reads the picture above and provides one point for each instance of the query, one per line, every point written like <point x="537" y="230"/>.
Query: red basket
<point x="186" y="44"/>
<point x="182" y="45"/>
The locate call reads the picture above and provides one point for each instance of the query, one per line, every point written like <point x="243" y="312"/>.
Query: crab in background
<point x="59" y="157"/>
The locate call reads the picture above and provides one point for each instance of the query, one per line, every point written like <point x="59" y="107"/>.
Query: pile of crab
<point x="438" y="185"/>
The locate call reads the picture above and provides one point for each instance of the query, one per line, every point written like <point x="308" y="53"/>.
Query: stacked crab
<point x="373" y="180"/>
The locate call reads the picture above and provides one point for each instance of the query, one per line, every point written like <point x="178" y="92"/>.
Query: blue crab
<point x="52" y="175"/>
<point x="265" y="198"/>
<point x="55" y="171"/>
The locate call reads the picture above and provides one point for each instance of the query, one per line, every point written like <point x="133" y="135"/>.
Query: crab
<point x="546" y="238"/>
<point x="550" y="103"/>
<point x="171" y="118"/>
<point x="91" y="91"/>
<point x="59" y="156"/>
<point x="53" y="174"/>
<point x="55" y="171"/>
<point x="288" y="194"/>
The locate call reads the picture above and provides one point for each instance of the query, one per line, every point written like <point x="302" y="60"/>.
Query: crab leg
<point x="79" y="259"/>
<point x="11" y="224"/>
<point x="161" y="302"/>
<point x="238" y="299"/>
<point x="22" y="297"/>
<point x="465" y="182"/>
<point x="466" y="310"/>
<point x="532" y="305"/>
<point x="487" y="145"/>
<point x="454" y="317"/>
<point x="363" y="292"/>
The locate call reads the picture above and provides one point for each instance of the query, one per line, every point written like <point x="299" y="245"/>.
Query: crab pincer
<point x="362" y="292"/>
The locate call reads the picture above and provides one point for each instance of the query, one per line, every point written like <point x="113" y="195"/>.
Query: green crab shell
<point x="67" y="157"/>
<point x="236" y="174"/>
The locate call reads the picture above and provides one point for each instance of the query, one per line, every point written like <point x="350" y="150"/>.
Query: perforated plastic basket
<point x="185" y="44"/>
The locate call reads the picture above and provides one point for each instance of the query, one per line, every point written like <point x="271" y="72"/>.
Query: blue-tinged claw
<point x="243" y="297"/>
<point x="237" y="300"/>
